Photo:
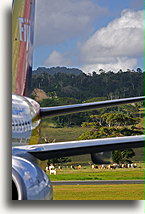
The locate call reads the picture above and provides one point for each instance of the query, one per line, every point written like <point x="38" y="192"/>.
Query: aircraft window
<point x="29" y="126"/>
<point x="25" y="126"/>
<point x="13" y="125"/>
<point x="20" y="125"/>
<point x="17" y="124"/>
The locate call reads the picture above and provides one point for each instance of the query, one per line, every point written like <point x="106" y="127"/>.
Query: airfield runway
<point x="97" y="182"/>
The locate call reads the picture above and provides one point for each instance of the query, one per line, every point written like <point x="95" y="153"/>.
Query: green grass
<point x="97" y="174"/>
<point x="62" y="134"/>
<point x="99" y="192"/>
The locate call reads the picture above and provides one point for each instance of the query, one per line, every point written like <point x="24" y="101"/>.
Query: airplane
<point x="29" y="181"/>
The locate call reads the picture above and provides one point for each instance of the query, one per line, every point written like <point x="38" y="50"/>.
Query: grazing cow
<point x="52" y="171"/>
<point x="46" y="169"/>
<point x="60" y="167"/>
<point x="134" y="165"/>
<point x="122" y="165"/>
<point x="79" y="166"/>
<point x="51" y="166"/>
<point x="103" y="166"/>
<point x="111" y="166"/>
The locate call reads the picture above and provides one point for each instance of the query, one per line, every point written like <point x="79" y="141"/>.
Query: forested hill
<point x="55" y="70"/>
<point x="81" y="86"/>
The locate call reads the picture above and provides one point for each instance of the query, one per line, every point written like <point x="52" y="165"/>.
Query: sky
<point x="89" y="34"/>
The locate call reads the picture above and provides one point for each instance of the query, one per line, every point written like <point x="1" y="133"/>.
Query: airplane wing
<point x="69" y="109"/>
<point x="64" y="149"/>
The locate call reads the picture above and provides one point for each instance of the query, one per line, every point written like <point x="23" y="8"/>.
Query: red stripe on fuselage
<point x="23" y="65"/>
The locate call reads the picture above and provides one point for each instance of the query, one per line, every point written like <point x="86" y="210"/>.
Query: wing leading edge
<point x="69" y="109"/>
<point x="57" y="150"/>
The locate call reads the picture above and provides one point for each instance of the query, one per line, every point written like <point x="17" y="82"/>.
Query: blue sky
<point x="89" y="34"/>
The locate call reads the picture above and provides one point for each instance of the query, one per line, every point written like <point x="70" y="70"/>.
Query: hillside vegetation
<point x="63" y="86"/>
<point x="73" y="83"/>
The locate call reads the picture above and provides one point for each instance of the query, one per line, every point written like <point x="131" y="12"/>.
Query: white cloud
<point x="116" y="46"/>
<point x="57" y="21"/>
<point x="57" y="59"/>
<point x="114" y="65"/>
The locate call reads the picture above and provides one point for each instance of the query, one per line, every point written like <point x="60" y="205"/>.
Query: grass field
<point x="62" y="134"/>
<point x="99" y="192"/>
<point x="98" y="174"/>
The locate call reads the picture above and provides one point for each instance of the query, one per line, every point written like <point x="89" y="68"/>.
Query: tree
<point x="59" y="160"/>
<point x="119" y="119"/>
<point x="123" y="156"/>
<point x="115" y="124"/>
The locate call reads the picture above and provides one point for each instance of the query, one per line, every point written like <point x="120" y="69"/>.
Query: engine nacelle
<point x="29" y="182"/>
<point x="102" y="158"/>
